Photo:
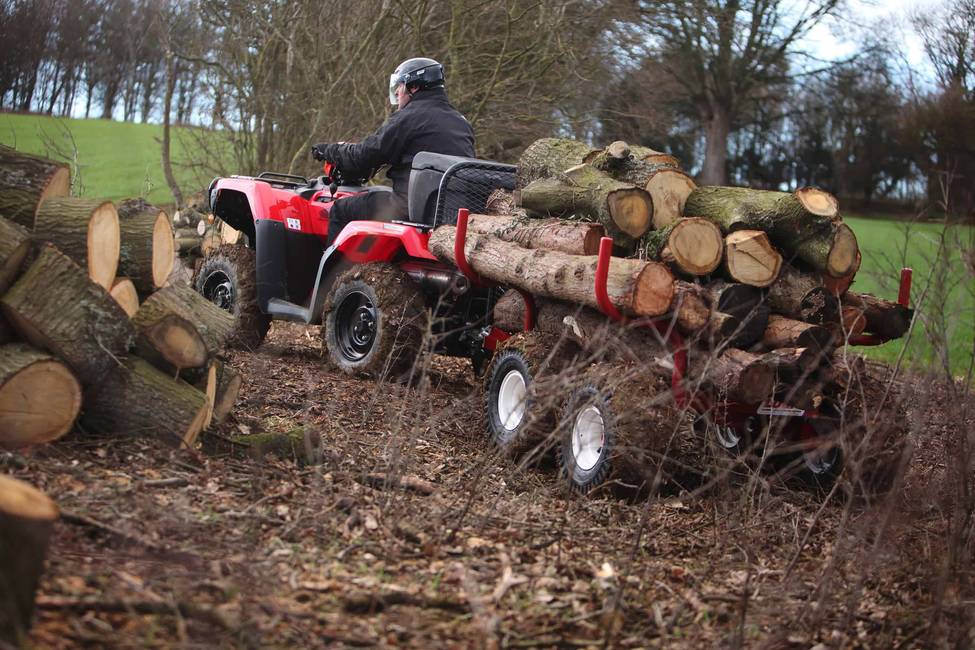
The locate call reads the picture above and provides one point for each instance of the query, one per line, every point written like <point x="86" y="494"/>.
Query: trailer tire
<point x="588" y="426"/>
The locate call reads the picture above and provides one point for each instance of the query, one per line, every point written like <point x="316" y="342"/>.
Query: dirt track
<point x="172" y="548"/>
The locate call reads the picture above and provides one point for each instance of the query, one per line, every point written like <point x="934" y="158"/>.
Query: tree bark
<point x="652" y="156"/>
<point x="86" y="230"/>
<point x="783" y="332"/>
<point x="839" y="286"/>
<point x="802" y="297"/>
<point x="27" y="519"/>
<point x="56" y="307"/>
<point x="750" y="259"/>
<point x="229" y="383"/>
<point x="804" y="223"/>
<point x="214" y="324"/>
<point x="888" y="320"/>
<point x="691" y="246"/>
<point x="39" y="397"/>
<point x="124" y="293"/>
<point x="741" y="376"/>
<point x="572" y="237"/>
<point x="746" y="304"/>
<point x="179" y="329"/>
<point x="26" y="181"/>
<point x="634" y="287"/>
<point x="15" y="243"/>
<point x="139" y="400"/>
<point x="167" y="110"/>
<point x="147" y="245"/>
<point x="792" y="364"/>
<point x="692" y="310"/>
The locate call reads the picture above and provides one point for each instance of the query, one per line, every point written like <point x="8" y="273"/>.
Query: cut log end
<point x="818" y="201"/>
<point x="18" y="499"/>
<point x="177" y="341"/>
<point x="654" y="291"/>
<point x="39" y="397"/>
<point x="844" y="254"/>
<point x="696" y="245"/>
<point x="163" y="250"/>
<point x="125" y="295"/>
<point x="669" y="189"/>
<point x="631" y="210"/>
<point x="104" y="241"/>
<point x="751" y="259"/>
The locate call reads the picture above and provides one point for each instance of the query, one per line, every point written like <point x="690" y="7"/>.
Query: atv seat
<point x="440" y="185"/>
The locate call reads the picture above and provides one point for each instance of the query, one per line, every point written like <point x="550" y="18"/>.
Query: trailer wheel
<point x="735" y="441"/>
<point x="513" y="413"/>
<point x="374" y="321"/>
<point x="228" y="279"/>
<point x="588" y="430"/>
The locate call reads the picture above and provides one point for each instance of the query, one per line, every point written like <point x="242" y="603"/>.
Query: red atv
<point x="374" y="287"/>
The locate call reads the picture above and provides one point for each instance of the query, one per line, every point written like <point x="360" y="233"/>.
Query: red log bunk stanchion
<point x="903" y="299"/>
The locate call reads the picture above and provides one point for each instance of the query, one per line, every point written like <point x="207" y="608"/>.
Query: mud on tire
<point x="228" y="278"/>
<point x="374" y="321"/>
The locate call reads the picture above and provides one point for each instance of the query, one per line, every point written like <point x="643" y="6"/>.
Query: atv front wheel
<point x="228" y="279"/>
<point x="374" y="321"/>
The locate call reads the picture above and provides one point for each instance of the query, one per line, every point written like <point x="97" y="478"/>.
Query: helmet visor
<point x="393" y="83"/>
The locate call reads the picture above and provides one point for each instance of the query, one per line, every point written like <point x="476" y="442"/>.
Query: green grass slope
<point x="115" y="160"/>
<point x="943" y="260"/>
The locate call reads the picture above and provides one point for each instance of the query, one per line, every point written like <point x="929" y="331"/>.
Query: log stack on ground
<point x="26" y="181"/>
<point x="71" y="330"/>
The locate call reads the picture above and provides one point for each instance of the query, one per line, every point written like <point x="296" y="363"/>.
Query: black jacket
<point x="427" y="123"/>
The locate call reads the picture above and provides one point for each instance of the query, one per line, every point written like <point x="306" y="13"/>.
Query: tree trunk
<point x="15" y="243"/>
<point x="741" y="376"/>
<point x="625" y="211"/>
<point x="124" y="293"/>
<point x="56" y="307"/>
<point x="26" y="181"/>
<point x="888" y="320"/>
<point x="691" y="305"/>
<point x="27" y="519"/>
<point x="717" y="128"/>
<point x="783" y="332"/>
<point x="801" y="296"/>
<point x="634" y="287"/>
<point x="654" y="157"/>
<point x="572" y="237"/>
<point x="804" y="223"/>
<point x="167" y="110"/>
<point x="208" y="386"/>
<point x="839" y="286"/>
<point x="792" y="364"/>
<point x="86" y="230"/>
<point x="229" y="382"/>
<point x="139" y="400"/>
<point x="501" y="202"/>
<point x="749" y="258"/>
<point x="147" y="246"/>
<point x="691" y="246"/>
<point x="39" y="397"/>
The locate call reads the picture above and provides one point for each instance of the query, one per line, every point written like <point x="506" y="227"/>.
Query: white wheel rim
<point x="511" y="400"/>
<point x="726" y="436"/>
<point x="820" y="459"/>
<point x="588" y="436"/>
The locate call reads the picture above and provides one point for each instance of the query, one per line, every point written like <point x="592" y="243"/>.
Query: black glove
<point x="318" y="151"/>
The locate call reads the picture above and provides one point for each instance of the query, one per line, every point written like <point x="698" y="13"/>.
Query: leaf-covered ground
<point x="164" y="548"/>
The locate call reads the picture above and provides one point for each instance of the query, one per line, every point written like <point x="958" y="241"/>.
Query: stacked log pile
<point x="198" y="232"/>
<point x="87" y="325"/>
<point x="757" y="281"/>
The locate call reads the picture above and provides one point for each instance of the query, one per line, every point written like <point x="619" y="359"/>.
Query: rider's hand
<point x="318" y="151"/>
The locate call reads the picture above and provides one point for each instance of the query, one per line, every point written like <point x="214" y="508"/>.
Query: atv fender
<point x="377" y="241"/>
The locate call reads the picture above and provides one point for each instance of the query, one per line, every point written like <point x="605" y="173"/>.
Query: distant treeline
<point x="723" y="85"/>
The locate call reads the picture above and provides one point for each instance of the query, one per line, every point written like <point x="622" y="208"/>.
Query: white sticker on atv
<point x="294" y="224"/>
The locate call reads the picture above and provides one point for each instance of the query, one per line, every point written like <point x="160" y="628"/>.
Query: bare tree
<point x="723" y="53"/>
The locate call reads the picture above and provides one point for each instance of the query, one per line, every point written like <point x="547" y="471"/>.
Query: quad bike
<point x="379" y="292"/>
<point x="373" y="289"/>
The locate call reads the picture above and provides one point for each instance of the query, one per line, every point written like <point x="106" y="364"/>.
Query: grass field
<point x="943" y="259"/>
<point x="115" y="160"/>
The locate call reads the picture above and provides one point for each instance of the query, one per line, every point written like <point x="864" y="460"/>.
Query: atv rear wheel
<point x="228" y="279"/>
<point x="374" y="321"/>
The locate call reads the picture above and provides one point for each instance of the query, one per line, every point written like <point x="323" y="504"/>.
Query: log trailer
<point x="382" y="298"/>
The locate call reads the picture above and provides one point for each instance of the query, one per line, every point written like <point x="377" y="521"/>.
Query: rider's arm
<point x="384" y="146"/>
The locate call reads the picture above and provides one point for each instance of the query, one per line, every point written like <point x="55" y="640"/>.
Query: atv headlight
<point x="393" y="82"/>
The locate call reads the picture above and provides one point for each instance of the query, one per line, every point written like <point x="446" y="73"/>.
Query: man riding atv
<point x="425" y="121"/>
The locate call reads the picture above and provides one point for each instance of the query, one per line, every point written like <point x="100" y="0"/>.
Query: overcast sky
<point x="841" y="36"/>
